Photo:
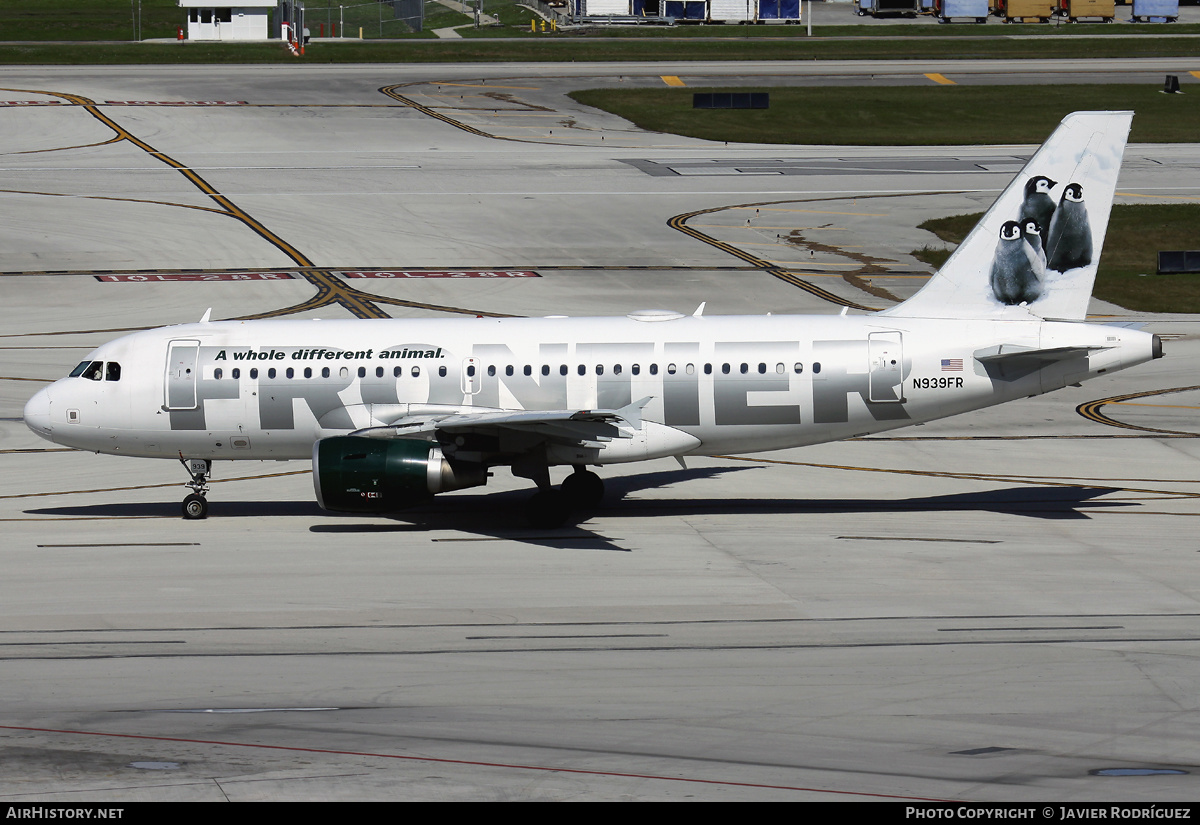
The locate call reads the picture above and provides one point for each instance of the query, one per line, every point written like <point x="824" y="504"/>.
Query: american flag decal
<point x="951" y="365"/>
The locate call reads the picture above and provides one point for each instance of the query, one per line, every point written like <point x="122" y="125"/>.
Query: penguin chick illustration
<point x="1015" y="278"/>
<point x="1032" y="233"/>
<point x="1038" y="204"/>
<point x="1069" y="242"/>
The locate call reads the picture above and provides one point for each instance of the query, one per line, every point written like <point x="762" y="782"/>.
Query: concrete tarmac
<point x="991" y="608"/>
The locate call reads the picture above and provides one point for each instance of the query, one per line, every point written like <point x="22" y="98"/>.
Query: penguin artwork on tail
<point x="1017" y="269"/>
<point x="1036" y="250"/>
<point x="1033" y="236"/>
<point x="1070" y="238"/>
<point x="1038" y="203"/>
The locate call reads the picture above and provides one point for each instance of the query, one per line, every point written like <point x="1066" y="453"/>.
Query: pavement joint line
<point x="472" y="763"/>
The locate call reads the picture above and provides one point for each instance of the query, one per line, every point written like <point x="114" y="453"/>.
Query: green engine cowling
<point x="352" y="474"/>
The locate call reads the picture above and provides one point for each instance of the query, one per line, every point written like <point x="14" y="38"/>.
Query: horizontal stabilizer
<point x="1008" y="362"/>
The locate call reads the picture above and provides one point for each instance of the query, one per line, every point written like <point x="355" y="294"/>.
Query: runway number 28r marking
<point x="937" y="383"/>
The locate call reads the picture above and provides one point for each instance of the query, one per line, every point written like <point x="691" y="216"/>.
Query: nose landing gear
<point x="195" y="506"/>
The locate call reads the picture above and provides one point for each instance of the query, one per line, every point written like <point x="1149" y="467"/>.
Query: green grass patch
<point x="903" y="115"/>
<point x="87" y="19"/>
<point x="1128" y="262"/>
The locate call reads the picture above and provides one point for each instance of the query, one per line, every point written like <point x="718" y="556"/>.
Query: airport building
<point x="249" y="20"/>
<point x="697" y="11"/>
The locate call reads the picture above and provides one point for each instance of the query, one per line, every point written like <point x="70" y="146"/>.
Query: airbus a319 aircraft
<point x="394" y="411"/>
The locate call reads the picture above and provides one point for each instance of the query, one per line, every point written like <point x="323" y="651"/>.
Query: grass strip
<point x="570" y="47"/>
<point x="903" y="115"/>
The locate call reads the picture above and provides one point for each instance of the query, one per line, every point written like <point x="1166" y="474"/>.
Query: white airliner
<point x="394" y="411"/>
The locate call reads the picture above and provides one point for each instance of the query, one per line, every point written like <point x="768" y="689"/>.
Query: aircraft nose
<point x="37" y="413"/>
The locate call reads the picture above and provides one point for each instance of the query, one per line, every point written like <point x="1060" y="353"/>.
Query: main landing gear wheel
<point x="548" y="508"/>
<point x="583" y="489"/>
<point x="195" y="506"/>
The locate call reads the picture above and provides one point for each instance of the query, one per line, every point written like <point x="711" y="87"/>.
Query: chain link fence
<point x="383" y="18"/>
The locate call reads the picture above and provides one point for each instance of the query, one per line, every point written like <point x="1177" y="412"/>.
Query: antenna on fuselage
<point x="204" y="318"/>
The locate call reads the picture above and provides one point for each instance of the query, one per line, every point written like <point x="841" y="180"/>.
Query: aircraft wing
<point x="568" y="426"/>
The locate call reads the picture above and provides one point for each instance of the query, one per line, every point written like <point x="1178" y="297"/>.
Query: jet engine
<point x="353" y="474"/>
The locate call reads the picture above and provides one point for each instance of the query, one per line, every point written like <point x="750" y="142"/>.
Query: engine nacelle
<point x="352" y="474"/>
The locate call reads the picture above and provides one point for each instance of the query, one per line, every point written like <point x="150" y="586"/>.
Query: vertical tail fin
<point x="1039" y="244"/>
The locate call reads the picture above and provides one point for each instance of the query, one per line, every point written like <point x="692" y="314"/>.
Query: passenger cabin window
<point x="235" y="373"/>
<point x="218" y="373"/>
<point x="112" y="371"/>
<point x="441" y="372"/>
<point x="816" y="367"/>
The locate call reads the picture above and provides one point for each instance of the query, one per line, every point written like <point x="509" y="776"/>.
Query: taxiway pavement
<point x="990" y="608"/>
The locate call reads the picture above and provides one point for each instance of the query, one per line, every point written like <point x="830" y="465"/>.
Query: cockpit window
<point x="94" y="371"/>
<point x="112" y="372"/>
<point x="78" y="371"/>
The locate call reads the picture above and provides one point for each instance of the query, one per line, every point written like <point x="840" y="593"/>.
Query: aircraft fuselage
<point x="270" y="389"/>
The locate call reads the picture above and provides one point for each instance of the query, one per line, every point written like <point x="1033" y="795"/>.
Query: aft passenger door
<point x="886" y="366"/>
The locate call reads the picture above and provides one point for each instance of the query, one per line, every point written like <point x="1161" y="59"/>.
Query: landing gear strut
<point x="195" y="506"/>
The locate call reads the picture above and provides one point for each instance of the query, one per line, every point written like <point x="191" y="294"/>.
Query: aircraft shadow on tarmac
<point x="499" y="515"/>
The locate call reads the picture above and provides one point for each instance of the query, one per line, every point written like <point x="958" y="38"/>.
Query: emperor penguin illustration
<point x="1069" y="242"/>
<point x="1032" y="232"/>
<point x="1038" y="204"/>
<point x="1016" y="278"/>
